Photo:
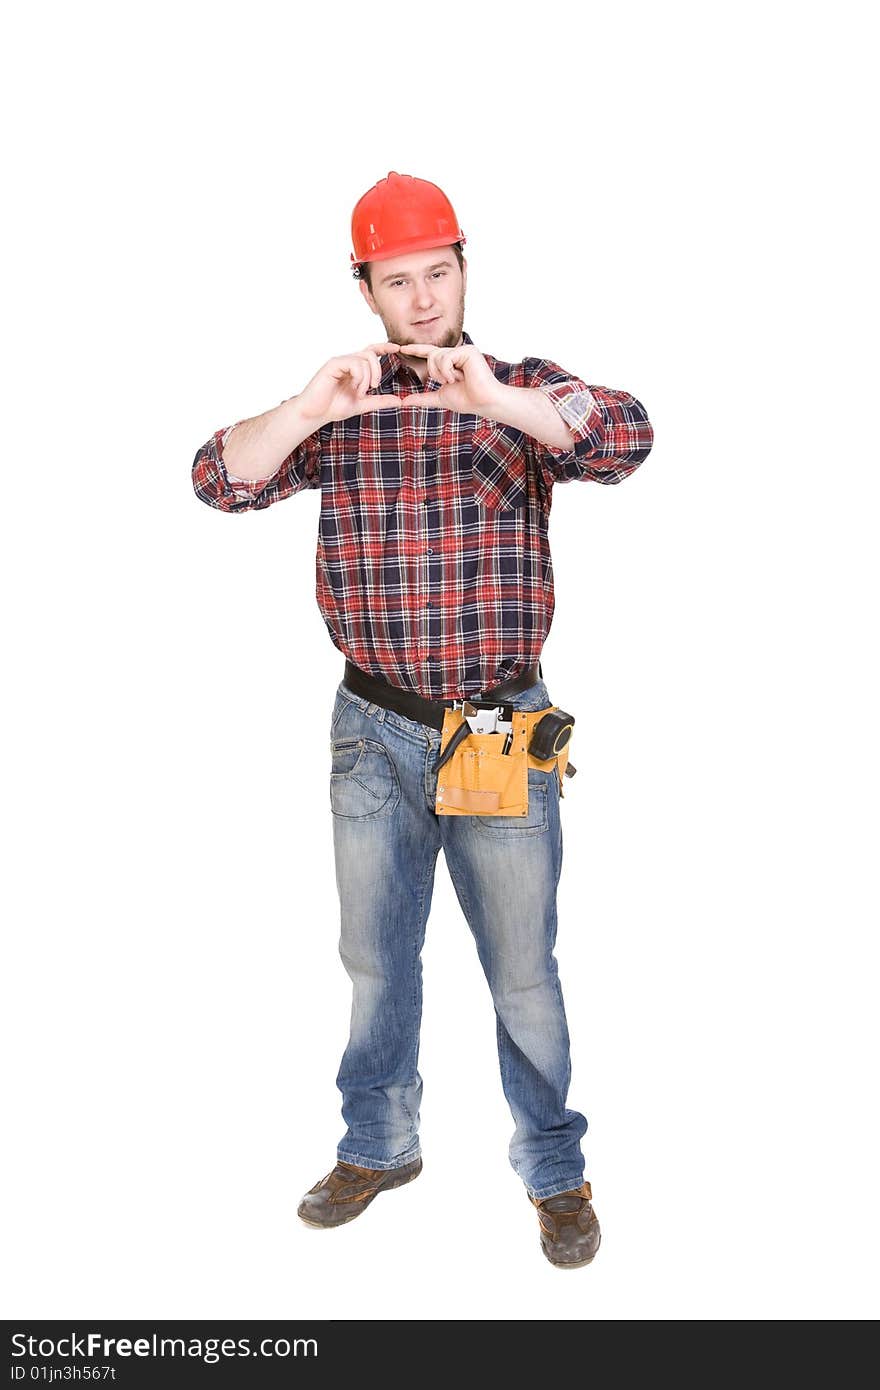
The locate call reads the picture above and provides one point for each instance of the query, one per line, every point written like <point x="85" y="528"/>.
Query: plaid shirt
<point x="433" y="563"/>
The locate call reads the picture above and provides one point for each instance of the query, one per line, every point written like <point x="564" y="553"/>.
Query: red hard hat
<point x="400" y="214"/>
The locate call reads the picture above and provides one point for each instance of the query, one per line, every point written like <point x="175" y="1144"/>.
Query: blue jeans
<point x="505" y="871"/>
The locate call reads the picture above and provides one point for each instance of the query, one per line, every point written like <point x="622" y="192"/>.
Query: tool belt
<point x="478" y="779"/>
<point x="475" y="777"/>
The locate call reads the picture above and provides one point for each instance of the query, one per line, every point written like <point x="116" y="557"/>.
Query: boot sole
<point x="386" y="1187"/>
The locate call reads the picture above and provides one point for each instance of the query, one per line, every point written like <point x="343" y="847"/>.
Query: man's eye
<point x="435" y="274"/>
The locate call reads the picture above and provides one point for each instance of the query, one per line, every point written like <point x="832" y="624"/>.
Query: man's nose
<point x="424" y="297"/>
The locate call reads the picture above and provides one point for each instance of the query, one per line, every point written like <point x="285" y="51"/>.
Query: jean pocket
<point x="535" y="822"/>
<point x="363" y="779"/>
<point x="499" y="470"/>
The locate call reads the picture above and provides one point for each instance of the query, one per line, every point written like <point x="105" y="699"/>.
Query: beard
<point x="449" y="335"/>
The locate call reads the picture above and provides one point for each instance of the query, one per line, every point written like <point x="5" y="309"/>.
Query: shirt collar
<point x="394" y="365"/>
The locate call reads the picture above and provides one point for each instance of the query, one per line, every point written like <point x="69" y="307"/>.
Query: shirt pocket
<point x="499" y="470"/>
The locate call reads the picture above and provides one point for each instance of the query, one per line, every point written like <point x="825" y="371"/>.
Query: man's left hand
<point x="469" y="386"/>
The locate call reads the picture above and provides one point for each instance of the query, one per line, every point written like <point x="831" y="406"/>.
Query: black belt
<point x="415" y="706"/>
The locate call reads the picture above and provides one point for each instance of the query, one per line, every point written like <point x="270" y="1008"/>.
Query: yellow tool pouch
<point x="480" y="780"/>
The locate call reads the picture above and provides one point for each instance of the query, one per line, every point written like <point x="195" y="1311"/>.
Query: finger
<point x="380" y="347"/>
<point x="372" y="359"/>
<point x="371" y="363"/>
<point x="417" y="349"/>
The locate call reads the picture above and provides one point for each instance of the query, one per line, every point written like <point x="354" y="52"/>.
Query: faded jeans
<point x="505" y="871"/>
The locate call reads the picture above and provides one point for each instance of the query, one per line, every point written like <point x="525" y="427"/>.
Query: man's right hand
<point x="339" y="388"/>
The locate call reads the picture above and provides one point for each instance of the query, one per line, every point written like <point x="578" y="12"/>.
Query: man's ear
<point x="362" y="286"/>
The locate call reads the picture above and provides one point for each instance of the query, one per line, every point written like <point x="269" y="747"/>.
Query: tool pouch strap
<point x="480" y="780"/>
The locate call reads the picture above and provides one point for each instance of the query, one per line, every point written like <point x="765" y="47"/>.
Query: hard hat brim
<point x="403" y="248"/>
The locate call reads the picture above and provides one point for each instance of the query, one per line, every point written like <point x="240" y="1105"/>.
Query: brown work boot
<point x="349" y="1190"/>
<point x="570" y="1232"/>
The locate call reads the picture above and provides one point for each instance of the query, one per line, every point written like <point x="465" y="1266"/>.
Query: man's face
<point x="410" y="289"/>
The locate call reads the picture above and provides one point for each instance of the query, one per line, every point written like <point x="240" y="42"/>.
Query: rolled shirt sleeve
<point x="244" y="487"/>
<point x="611" y="430"/>
<point x="217" y="487"/>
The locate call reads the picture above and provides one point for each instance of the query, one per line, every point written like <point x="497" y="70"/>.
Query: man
<point x="436" y="464"/>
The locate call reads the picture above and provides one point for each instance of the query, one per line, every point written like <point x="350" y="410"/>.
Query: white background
<point x="672" y="200"/>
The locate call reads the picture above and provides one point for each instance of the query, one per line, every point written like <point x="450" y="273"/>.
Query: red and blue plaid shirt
<point x="433" y="562"/>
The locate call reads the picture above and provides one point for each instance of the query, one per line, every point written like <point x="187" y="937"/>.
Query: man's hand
<point x="339" y="388"/>
<point x="468" y="384"/>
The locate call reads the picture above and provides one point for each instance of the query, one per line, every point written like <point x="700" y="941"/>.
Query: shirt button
<point x="430" y="550"/>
